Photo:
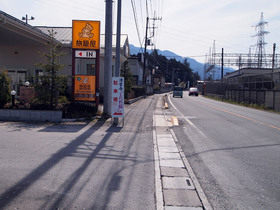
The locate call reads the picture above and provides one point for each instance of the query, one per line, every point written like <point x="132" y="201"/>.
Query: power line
<point x="136" y="21"/>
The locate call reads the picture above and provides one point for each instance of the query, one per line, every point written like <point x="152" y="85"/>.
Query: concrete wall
<point x="30" y="115"/>
<point x="269" y="98"/>
<point x="136" y="69"/>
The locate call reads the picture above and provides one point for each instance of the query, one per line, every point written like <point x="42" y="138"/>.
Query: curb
<point x="165" y="101"/>
<point x="130" y="101"/>
<point x="174" y="121"/>
<point x="205" y="203"/>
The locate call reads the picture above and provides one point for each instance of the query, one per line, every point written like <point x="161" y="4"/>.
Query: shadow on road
<point x="13" y="192"/>
<point x="234" y="148"/>
<point x="132" y="158"/>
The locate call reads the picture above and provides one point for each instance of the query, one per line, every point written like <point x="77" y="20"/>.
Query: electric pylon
<point x="260" y="51"/>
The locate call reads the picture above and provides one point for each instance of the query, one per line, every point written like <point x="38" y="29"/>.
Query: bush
<point x="5" y="95"/>
<point x="79" y="110"/>
<point x="139" y="91"/>
<point x="69" y="110"/>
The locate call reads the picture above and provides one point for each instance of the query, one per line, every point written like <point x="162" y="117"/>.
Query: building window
<point x="18" y="78"/>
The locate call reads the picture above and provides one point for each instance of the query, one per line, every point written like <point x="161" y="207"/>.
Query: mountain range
<point x="195" y="65"/>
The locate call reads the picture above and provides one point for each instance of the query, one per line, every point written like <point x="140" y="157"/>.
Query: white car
<point x="193" y="91"/>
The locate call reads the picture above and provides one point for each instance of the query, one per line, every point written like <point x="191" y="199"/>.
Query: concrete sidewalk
<point x="177" y="187"/>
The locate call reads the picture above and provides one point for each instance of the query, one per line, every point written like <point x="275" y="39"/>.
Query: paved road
<point x="234" y="152"/>
<point x="80" y="165"/>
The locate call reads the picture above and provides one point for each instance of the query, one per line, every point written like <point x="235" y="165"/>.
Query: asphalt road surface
<point x="80" y="165"/>
<point x="233" y="150"/>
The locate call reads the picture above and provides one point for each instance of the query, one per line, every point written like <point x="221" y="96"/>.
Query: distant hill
<point x="195" y="65"/>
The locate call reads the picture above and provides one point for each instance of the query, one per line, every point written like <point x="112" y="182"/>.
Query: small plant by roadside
<point x="79" y="110"/>
<point x="5" y="92"/>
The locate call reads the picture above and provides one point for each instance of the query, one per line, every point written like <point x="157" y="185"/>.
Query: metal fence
<point x="261" y="89"/>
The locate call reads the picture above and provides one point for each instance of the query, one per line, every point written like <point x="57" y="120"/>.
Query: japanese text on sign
<point x="84" y="88"/>
<point x="118" y="97"/>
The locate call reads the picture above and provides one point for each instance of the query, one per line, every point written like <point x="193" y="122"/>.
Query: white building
<point x="21" y="42"/>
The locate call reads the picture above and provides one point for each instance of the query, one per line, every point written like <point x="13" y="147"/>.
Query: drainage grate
<point x="188" y="182"/>
<point x="177" y="183"/>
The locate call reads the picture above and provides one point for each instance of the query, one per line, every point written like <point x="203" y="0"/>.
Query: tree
<point x="126" y="73"/>
<point x="51" y="83"/>
<point x="5" y="92"/>
<point x="182" y="70"/>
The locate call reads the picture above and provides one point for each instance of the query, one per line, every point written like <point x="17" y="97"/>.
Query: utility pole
<point x="273" y="56"/>
<point x="108" y="59"/>
<point x="172" y="78"/>
<point x="145" y="51"/>
<point x="118" y="41"/>
<point x="222" y="69"/>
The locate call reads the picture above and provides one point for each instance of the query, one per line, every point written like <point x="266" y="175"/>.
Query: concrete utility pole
<point x="145" y="56"/>
<point x="147" y="42"/>
<point x="118" y="46"/>
<point x="222" y="68"/>
<point x="118" y="41"/>
<point x="273" y="56"/>
<point x="108" y="59"/>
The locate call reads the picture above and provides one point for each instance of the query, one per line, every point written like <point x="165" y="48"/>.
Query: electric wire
<point x="136" y="22"/>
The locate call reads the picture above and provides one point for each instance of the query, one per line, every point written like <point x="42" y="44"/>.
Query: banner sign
<point x="118" y="97"/>
<point x="86" y="34"/>
<point x="84" y="88"/>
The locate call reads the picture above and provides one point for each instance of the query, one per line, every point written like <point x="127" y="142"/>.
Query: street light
<point x="26" y="18"/>
<point x="26" y="84"/>
<point x="13" y="93"/>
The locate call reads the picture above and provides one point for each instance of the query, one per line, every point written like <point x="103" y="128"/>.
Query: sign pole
<point x="73" y="75"/>
<point x="97" y="93"/>
<point x="85" y="46"/>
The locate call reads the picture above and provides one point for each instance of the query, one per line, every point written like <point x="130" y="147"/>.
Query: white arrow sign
<point x="85" y="54"/>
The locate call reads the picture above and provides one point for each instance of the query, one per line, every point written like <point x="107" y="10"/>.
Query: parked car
<point x="178" y="91"/>
<point x="193" y="91"/>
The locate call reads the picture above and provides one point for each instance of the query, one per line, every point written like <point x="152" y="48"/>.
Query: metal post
<point x="172" y="78"/>
<point x="97" y="94"/>
<point x="73" y="74"/>
<point x="13" y="93"/>
<point x="13" y="100"/>
<point x="108" y="59"/>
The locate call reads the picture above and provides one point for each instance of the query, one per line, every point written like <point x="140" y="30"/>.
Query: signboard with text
<point x="85" y="54"/>
<point x="117" y="97"/>
<point x="85" y="34"/>
<point x="84" y="88"/>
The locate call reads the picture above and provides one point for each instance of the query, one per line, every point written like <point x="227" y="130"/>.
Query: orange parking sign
<point x="85" y="34"/>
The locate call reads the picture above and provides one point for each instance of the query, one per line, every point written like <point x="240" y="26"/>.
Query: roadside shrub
<point x="79" y="110"/>
<point x="139" y="91"/>
<point x="5" y="95"/>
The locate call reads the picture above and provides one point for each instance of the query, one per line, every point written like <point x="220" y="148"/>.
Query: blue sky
<point x="188" y="28"/>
